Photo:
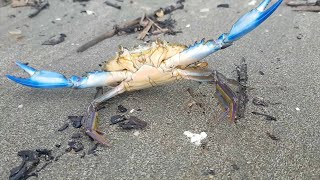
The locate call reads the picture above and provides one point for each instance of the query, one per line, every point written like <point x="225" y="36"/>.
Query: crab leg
<point x="49" y="80"/>
<point x="243" y="26"/>
<point x="227" y="98"/>
<point x="91" y="118"/>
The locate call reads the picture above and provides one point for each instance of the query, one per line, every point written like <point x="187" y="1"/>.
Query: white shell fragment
<point x="15" y="32"/>
<point x="252" y="3"/>
<point x="188" y="25"/>
<point x="297" y="109"/>
<point x="90" y="12"/>
<point x="20" y="106"/>
<point x="196" y="138"/>
<point x="205" y="10"/>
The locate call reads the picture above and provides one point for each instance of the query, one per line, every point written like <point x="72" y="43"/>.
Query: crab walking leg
<point x="243" y="26"/>
<point x="226" y="97"/>
<point x="91" y="118"/>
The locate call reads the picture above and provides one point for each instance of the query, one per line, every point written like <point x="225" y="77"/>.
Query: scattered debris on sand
<point x="55" y="40"/>
<point x="30" y="160"/>
<point x="112" y="4"/>
<point x="152" y="24"/>
<point x="133" y="123"/>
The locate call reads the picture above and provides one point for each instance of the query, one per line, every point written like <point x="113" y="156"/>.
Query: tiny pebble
<point x="252" y="3"/>
<point x="188" y="25"/>
<point x="58" y="19"/>
<point x="132" y="110"/>
<point x="298" y="109"/>
<point x="205" y="10"/>
<point x="122" y="109"/>
<point x="15" y="32"/>
<point x="136" y="133"/>
<point x="20" y="106"/>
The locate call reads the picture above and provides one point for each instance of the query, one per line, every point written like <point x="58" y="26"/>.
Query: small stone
<point x="188" y="25"/>
<point x="122" y="109"/>
<point x="136" y="133"/>
<point x="117" y="118"/>
<point x="205" y="10"/>
<point x="15" y="32"/>
<point x="297" y="109"/>
<point x="20" y="106"/>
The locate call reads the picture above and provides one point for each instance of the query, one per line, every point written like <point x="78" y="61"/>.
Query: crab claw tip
<point x="26" y="68"/>
<point x="251" y="20"/>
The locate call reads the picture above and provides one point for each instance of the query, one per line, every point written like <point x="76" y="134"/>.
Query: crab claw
<point x="49" y="80"/>
<point x="41" y="79"/>
<point x="251" y="20"/>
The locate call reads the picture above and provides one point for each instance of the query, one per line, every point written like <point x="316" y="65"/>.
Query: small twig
<point x="268" y="117"/>
<point x="112" y="5"/>
<point x="39" y="9"/>
<point x="145" y="31"/>
<point x="273" y="137"/>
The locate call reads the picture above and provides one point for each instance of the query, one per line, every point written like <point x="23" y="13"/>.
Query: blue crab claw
<point x="251" y="20"/>
<point x="41" y="79"/>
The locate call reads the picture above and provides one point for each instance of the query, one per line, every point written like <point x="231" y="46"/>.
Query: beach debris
<point x="112" y="4"/>
<point x="81" y="0"/>
<point x="204" y="10"/>
<point x="88" y="12"/>
<point x="196" y="138"/>
<point x="64" y="127"/>
<point x="55" y="40"/>
<point x="39" y="7"/>
<point x="136" y="133"/>
<point x="135" y="25"/>
<point x="261" y="72"/>
<point x="209" y="172"/>
<point x="122" y="109"/>
<point x="223" y="6"/>
<point x="30" y="160"/>
<point x="235" y="167"/>
<point x="304" y="5"/>
<point x="268" y="117"/>
<point x="93" y="149"/>
<point x="259" y="101"/>
<point x="273" y="137"/>
<point x="76" y="135"/>
<point x="76" y="121"/>
<point x="15" y="32"/>
<point x="75" y="145"/>
<point x="117" y="118"/>
<point x="133" y="123"/>
<point x="242" y="78"/>
<point x="252" y="3"/>
<point x="4" y="3"/>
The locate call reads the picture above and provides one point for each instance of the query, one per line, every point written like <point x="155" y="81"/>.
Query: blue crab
<point x="152" y="65"/>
